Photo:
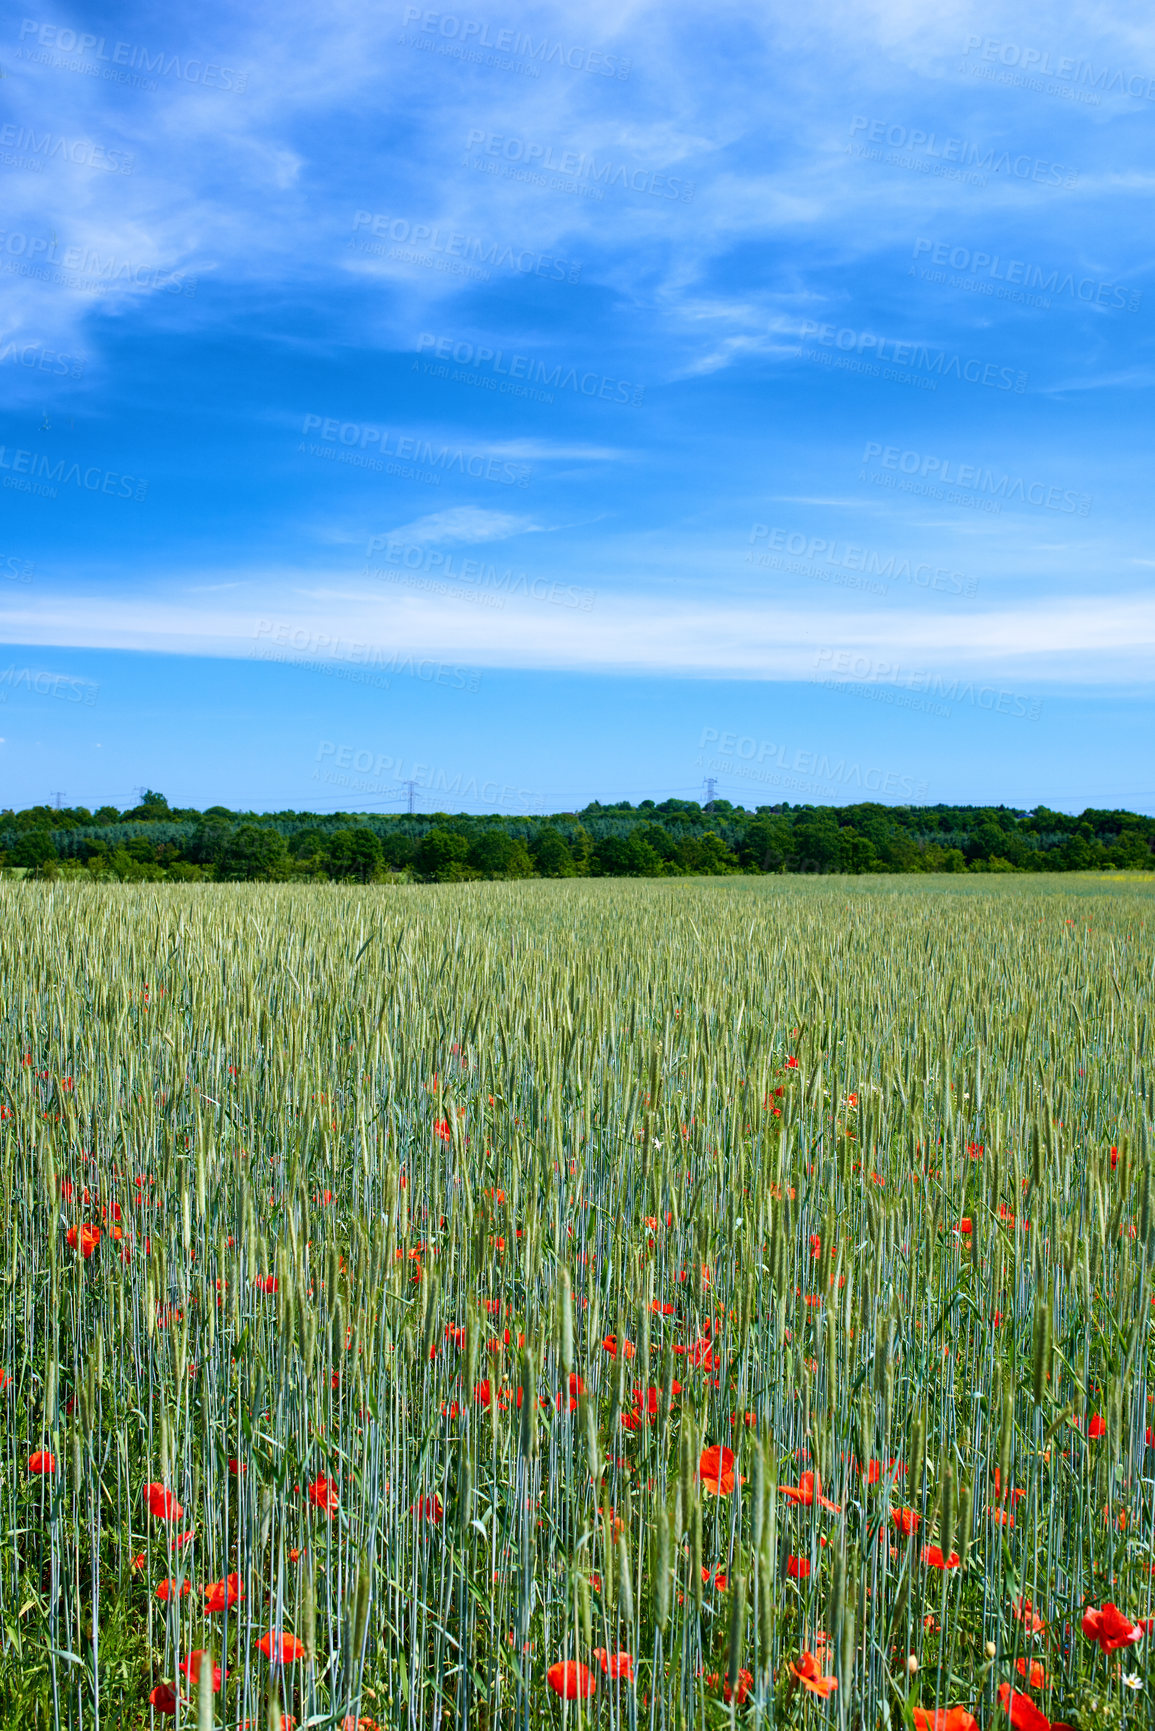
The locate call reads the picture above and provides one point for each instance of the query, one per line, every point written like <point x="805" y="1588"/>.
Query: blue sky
<point x="553" y="403"/>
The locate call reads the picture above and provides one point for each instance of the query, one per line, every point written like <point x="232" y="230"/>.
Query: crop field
<point x="585" y="1303"/>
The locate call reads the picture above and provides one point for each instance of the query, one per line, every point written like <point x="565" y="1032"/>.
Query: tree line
<point x="154" y="842"/>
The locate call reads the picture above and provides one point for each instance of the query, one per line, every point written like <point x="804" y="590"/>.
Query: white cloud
<point x="466" y="523"/>
<point x="1085" y="640"/>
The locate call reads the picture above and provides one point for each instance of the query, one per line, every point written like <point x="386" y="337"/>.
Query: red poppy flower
<point x="83" y="1238"/>
<point x="1110" y="1628"/>
<point x="932" y="1555"/>
<point x="219" y="1595"/>
<point x="323" y="1495"/>
<point x="281" y="1649"/>
<point x="162" y="1503"/>
<point x="944" y="1719"/>
<point x="808" y="1490"/>
<point x="237" y="1469"/>
<point x="428" y="1509"/>
<point x="716" y="1470"/>
<point x="791" y="1063"/>
<point x="41" y="1462"/>
<point x="576" y="1387"/>
<point x="1024" y="1612"/>
<point x="1021" y="1711"/>
<point x="179" y="1539"/>
<point x="192" y="1669"/>
<point x="610" y="1344"/>
<point x="1034" y="1673"/>
<point x="615" y="1664"/>
<point x="701" y="1353"/>
<point x="875" y="1469"/>
<point x="266" y="1283"/>
<point x="163" y="1698"/>
<point x="907" y="1521"/>
<point x="571" y="1680"/>
<point x="1097" y="1426"/>
<point x="808" y="1671"/>
<point x="798" y="1568"/>
<point x="745" y="1684"/>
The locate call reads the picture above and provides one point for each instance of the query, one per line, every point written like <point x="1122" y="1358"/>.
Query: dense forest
<point x="154" y="842"/>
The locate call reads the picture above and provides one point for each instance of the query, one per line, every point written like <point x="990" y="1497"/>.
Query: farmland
<point x="642" y="1303"/>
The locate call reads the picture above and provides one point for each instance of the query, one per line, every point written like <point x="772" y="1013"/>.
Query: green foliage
<point x="676" y="838"/>
<point x="253" y="851"/>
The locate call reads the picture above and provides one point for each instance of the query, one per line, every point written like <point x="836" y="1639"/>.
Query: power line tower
<point x="412" y="787"/>
<point x="57" y="797"/>
<point x="711" y="784"/>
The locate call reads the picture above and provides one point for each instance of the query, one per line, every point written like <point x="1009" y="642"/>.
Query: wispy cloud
<point x="465" y="523"/>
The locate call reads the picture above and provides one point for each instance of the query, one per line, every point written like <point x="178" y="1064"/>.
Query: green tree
<point x="398" y="850"/>
<point x="626" y="856"/>
<point x="210" y="840"/>
<point x="551" y="854"/>
<point x="661" y="841"/>
<point x="1131" y="851"/>
<point x="816" y="847"/>
<point x="353" y="853"/>
<point x="35" y="848"/>
<point x="766" y="845"/>
<point x="707" y="855"/>
<point x="858" y="852"/>
<point x="442" y="856"/>
<point x="255" y="853"/>
<point x="152" y="805"/>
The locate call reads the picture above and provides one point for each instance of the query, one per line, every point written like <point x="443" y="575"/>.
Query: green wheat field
<point x="593" y="1303"/>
